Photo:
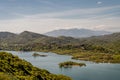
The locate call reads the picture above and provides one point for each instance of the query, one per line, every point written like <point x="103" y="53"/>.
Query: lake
<point x="91" y="72"/>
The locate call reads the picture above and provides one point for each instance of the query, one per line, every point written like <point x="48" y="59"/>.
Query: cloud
<point x="100" y="27"/>
<point x="42" y="23"/>
<point x="11" y="0"/>
<point x="45" y="25"/>
<point x="99" y="2"/>
<point x="79" y="12"/>
<point x="46" y="2"/>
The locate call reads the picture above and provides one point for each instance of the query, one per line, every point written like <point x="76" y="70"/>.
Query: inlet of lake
<point x="92" y="71"/>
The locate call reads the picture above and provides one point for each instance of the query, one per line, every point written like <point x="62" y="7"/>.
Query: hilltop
<point x="77" y="33"/>
<point x="34" y="41"/>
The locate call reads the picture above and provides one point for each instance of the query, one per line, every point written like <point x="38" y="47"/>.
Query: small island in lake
<point x="36" y="54"/>
<point x="68" y="64"/>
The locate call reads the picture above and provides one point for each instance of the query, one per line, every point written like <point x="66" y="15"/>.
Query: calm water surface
<point x="91" y="72"/>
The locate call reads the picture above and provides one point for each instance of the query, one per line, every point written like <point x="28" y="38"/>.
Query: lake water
<point x="91" y="72"/>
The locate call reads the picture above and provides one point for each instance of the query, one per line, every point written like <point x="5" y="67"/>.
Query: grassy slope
<point x="14" y="68"/>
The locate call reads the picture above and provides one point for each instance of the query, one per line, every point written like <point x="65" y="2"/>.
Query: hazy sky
<point x="45" y="15"/>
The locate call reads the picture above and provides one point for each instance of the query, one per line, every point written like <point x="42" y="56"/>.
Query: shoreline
<point x="77" y="56"/>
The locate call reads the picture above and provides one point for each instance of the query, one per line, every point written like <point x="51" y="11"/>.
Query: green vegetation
<point x="97" y="48"/>
<point x="94" y="56"/>
<point x="68" y="64"/>
<point x="5" y="76"/>
<point x="97" y="57"/>
<point x="13" y="68"/>
<point x="36" y="54"/>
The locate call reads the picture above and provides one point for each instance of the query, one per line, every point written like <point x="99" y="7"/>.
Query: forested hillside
<point x="104" y="48"/>
<point x="107" y="43"/>
<point x="13" y="68"/>
<point x="29" y="41"/>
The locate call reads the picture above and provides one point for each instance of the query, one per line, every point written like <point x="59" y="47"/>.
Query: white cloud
<point x="42" y="23"/>
<point x="46" y="2"/>
<point x="45" y="25"/>
<point x="78" y="12"/>
<point x="99" y="2"/>
<point x="101" y="27"/>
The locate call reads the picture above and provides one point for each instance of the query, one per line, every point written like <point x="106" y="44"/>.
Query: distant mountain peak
<point x="75" y="32"/>
<point x="31" y="34"/>
<point x="26" y="32"/>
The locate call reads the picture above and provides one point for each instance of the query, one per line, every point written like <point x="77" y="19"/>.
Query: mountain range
<point x="27" y="41"/>
<point x="77" y="33"/>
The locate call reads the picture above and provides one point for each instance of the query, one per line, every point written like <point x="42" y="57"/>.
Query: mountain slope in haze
<point x="6" y="35"/>
<point x="104" y="39"/>
<point x="96" y="48"/>
<point x="77" y="33"/>
<point x="108" y="43"/>
<point x="27" y="36"/>
<point x="29" y="41"/>
<point x="24" y="37"/>
<point x="32" y="40"/>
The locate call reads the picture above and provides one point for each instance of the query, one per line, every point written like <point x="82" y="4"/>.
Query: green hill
<point x="107" y="43"/>
<point x="29" y="41"/>
<point x="13" y="68"/>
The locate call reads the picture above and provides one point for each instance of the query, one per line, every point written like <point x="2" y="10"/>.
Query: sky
<point x="42" y="16"/>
